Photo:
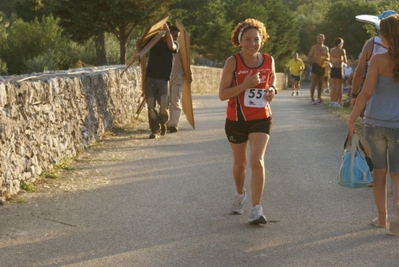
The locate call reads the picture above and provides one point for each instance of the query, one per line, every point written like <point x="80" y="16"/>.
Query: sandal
<point x="377" y="224"/>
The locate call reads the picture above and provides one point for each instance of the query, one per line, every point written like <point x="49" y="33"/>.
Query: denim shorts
<point x="296" y="78"/>
<point x="383" y="143"/>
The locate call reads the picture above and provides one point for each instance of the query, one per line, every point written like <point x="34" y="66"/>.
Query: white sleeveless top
<point x="378" y="47"/>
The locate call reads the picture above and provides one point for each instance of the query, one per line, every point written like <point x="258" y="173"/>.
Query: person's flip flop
<point x="377" y="224"/>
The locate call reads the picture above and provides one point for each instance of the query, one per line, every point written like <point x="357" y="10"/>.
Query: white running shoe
<point x="237" y="207"/>
<point x="335" y="105"/>
<point x="256" y="216"/>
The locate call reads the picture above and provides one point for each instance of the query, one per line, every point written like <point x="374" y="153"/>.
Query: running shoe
<point x="256" y="216"/>
<point x="237" y="207"/>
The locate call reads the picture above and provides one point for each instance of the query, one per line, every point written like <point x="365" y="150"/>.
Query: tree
<point x="340" y="21"/>
<point x="29" y="10"/>
<point x="83" y="19"/>
<point x="209" y="30"/>
<point x="280" y="25"/>
<point x="310" y="15"/>
<point x="26" y="40"/>
<point x="212" y="39"/>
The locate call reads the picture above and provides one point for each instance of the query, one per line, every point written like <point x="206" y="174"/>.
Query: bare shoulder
<point x="368" y="46"/>
<point x="230" y="61"/>
<point x="381" y="59"/>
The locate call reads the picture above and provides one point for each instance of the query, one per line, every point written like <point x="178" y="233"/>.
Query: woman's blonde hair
<point x="246" y="25"/>
<point x="389" y="29"/>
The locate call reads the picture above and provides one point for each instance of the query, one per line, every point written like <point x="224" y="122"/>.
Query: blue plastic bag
<point x="355" y="170"/>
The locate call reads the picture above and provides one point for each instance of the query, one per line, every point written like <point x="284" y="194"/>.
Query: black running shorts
<point x="238" y="131"/>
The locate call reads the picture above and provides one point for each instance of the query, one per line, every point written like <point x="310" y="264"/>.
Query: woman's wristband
<point x="274" y="88"/>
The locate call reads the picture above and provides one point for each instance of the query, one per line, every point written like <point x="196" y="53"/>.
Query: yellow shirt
<point x="296" y="66"/>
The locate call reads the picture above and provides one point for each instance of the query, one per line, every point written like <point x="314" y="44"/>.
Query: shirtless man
<point x="338" y="57"/>
<point x="318" y="54"/>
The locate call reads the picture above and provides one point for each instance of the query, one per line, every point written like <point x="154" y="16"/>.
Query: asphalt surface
<point x="166" y="202"/>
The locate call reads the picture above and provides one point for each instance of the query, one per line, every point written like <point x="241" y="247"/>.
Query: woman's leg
<point x="258" y="143"/>
<point x="380" y="194"/>
<point x="332" y="90"/>
<point x="240" y="162"/>
<point x="395" y="186"/>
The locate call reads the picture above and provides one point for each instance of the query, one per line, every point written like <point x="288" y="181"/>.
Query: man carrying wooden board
<point x="176" y="89"/>
<point x="158" y="74"/>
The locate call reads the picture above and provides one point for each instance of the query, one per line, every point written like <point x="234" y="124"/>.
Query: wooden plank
<point x="184" y="52"/>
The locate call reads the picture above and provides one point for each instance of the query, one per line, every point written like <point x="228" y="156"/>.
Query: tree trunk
<point x="101" y="55"/>
<point x="122" y="45"/>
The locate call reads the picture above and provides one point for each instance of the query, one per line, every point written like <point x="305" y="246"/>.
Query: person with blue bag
<point x="380" y="98"/>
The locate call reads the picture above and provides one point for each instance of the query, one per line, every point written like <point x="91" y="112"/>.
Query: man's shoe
<point x="319" y="101"/>
<point x="293" y="93"/>
<point x="237" y="207"/>
<point x="312" y="102"/>
<point x="256" y="216"/>
<point x="297" y="93"/>
<point x="173" y="129"/>
<point x="163" y="129"/>
<point x="154" y="135"/>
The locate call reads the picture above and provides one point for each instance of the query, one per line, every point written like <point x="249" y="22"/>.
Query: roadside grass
<point x="63" y="164"/>
<point x="344" y="113"/>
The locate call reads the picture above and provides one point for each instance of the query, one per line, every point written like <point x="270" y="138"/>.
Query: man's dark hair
<point x="173" y="29"/>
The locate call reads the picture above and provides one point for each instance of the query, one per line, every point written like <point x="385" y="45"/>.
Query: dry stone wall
<point x="49" y="116"/>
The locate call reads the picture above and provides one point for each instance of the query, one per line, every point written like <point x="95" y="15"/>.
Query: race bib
<point x="255" y="98"/>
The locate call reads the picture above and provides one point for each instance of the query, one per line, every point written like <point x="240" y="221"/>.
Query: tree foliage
<point x="340" y="22"/>
<point x="27" y="40"/>
<point x="29" y="10"/>
<point x="309" y="16"/>
<point x="83" y="19"/>
<point x="280" y="25"/>
<point x="34" y="42"/>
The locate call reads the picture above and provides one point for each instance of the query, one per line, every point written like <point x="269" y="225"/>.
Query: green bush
<point x="3" y="68"/>
<point x="42" y="62"/>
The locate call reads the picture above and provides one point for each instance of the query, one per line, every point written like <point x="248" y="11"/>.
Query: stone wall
<point x="50" y="116"/>
<point x="47" y="117"/>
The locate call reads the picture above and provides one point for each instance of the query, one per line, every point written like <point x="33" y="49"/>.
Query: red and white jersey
<point x="250" y="104"/>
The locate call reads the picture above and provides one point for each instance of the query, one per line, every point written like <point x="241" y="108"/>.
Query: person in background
<point x="296" y="67"/>
<point x="248" y="83"/>
<point x="347" y="73"/>
<point x="381" y="122"/>
<point x="176" y="90"/>
<point x="158" y="73"/>
<point x="337" y="58"/>
<point x="318" y="54"/>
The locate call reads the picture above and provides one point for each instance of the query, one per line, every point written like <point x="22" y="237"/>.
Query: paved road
<point x="166" y="202"/>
